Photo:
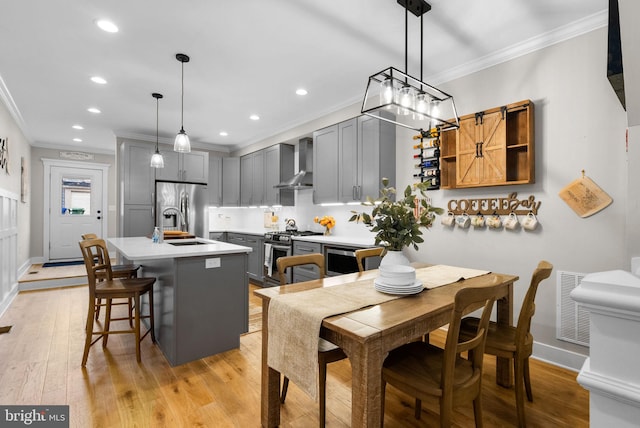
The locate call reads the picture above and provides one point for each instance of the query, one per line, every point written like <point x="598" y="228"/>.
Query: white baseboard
<point x="559" y="357"/>
<point x="53" y="283"/>
<point x="4" y="304"/>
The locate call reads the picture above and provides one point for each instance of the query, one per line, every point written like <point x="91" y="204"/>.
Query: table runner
<point x="295" y="320"/>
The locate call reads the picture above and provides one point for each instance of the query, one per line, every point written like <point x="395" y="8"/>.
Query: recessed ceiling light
<point x="107" y="26"/>
<point x="254" y="117"/>
<point x="78" y="127"/>
<point x="93" y="110"/>
<point x="78" y="140"/>
<point x="99" y="80"/>
<point x="223" y="134"/>
<point x="301" y="91"/>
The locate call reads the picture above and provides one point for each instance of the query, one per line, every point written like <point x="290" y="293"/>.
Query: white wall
<point x="579" y="124"/>
<point x="18" y="148"/>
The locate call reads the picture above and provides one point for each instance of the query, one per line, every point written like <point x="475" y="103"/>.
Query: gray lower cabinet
<point x="256" y="256"/>
<point x="199" y="310"/>
<point x="305" y="272"/>
<point x="218" y="236"/>
<point x="231" y="182"/>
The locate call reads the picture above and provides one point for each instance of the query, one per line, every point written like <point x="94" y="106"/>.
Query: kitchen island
<point x="200" y="296"/>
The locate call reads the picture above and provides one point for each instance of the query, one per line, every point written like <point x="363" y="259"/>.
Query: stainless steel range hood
<point x="303" y="179"/>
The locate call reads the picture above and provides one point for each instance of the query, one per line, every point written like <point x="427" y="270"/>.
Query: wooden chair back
<point x="284" y="263"/>
<point x="89" y="236"/>
<point x="365" y="253"/>
<point x="542" y="272"/>
<point x="96" y="261"/>
<point x="465" y="299"/>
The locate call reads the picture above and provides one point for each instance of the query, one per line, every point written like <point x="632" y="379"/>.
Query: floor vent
<point x="572" y="320"/>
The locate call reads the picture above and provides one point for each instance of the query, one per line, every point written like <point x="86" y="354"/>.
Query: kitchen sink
<point x="188" y="243"/>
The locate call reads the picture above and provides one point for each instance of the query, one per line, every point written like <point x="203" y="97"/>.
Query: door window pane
<point x="76" y="196"/>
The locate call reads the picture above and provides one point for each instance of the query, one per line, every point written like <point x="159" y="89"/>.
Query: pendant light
<point x="156" y="159"/>
<point x="182" y="139"/>
<point x="396" y="97"/>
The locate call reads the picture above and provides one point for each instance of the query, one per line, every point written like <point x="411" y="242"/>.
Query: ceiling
<point x="247" y="57"/>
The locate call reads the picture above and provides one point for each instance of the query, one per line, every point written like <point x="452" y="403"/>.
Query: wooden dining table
<point x="367" y="336"/>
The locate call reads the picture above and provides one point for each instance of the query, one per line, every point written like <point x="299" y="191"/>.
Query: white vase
<point x="394" y="258"/>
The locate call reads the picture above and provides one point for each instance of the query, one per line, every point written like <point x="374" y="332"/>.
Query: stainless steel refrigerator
<point x="182" y="206"/>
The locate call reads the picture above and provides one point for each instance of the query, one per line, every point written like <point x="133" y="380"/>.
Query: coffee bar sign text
<point x="500" y="206"/>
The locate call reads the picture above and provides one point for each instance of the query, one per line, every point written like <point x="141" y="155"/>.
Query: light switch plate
<point x="212" y="263"/>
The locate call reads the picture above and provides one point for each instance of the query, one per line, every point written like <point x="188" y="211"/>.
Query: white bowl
<point x="397" y="275"/>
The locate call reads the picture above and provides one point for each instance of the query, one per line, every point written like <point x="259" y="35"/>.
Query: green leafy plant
<point x="394" y="222"/>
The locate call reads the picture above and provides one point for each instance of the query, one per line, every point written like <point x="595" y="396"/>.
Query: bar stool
<point x="119" y="271"/>
<point x="102" y="285"/>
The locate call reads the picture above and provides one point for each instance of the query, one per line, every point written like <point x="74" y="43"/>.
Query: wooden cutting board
<point x="585" y="197"/>
<point x="177" y="234"/>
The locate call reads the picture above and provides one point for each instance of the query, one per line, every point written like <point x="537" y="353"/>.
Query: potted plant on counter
<point x="398" y="223"/>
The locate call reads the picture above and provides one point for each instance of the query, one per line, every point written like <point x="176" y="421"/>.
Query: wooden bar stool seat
<point x="102" y="285"/>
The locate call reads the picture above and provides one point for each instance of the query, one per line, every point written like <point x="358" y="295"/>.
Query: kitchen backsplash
<point x="303" y="213"/>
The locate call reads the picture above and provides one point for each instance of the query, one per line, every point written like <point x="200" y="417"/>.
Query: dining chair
<point x="366" y="253"/>
<point x="327" y="351"/>
<point x="119" y="271"/>
<point x="515" y="343"/>
<point x="102" y="285"/>
<point x="424" y="370"/>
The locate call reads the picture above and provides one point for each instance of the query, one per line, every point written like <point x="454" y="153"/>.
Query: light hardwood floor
<point x="40" y="364"/>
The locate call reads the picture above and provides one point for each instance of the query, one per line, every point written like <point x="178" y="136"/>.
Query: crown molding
<point x="169" y="141"/>
<point x="11" y="106"/>
<point x="541" y="41"/>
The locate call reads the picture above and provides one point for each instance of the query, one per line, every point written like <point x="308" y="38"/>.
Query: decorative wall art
<point x="585" y="197"/>
<point x="4" y="154"/>
<point x="24" y="181"/>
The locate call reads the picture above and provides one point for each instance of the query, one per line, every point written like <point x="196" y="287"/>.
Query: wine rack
<point x="427" y="160"/>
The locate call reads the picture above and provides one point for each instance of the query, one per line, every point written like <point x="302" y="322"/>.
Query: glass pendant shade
<point x="406" y="100"/>
<point x="422" y="105"/>
<point x="157" y="161"/>
<point x="182" y="143"/>
<point x="386" y="92"/>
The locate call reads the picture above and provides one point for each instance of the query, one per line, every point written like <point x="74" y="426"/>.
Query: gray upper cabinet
<point x="252" y="179"/>
<point x="190" y="167"/>
<point x="348" y="160"/>
<point x="137" y="177"/>
<point x="351" y="158"/>
<point x="376" y="156"/>
<point x="325" y="165"/>
<point x="137" y="181"/>
<point x="231" y="182"/>
<point x="278" y="166"/>
<point x="215" y="181"/>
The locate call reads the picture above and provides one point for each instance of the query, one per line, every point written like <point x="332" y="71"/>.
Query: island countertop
<point x="142" y="248"/>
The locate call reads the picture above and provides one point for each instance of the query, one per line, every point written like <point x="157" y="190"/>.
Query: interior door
<point x="75" y="209"/>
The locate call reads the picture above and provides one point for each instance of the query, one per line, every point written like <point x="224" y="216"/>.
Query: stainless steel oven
<point x="272" y="252"/>
<point x="341" y="260"/>
<point x="278" y="244"/>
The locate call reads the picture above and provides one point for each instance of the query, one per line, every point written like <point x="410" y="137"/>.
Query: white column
<point x="611" y="372"/>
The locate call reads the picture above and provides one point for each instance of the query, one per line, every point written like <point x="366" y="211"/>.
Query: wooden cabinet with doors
<point x="491" y="148"/>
